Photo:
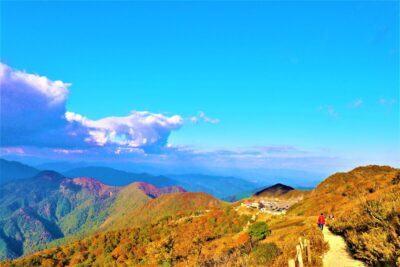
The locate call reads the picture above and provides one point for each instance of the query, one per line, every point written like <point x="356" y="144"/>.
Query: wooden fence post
<point x="301" y="242"/>
<point x="299" y="256"/>
<point x="304" y="245"/>
<point x="308" y="252"/>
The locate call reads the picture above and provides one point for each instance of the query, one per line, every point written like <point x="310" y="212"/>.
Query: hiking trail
<point x="338" y="254"/>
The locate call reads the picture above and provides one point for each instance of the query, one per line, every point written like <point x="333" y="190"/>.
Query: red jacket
<point x="321" y="219"/>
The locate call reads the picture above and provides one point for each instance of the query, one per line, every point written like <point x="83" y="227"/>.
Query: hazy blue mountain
<point x="61" y="166"/>
<point x="294" y="178"/>
<point x="13" y="170"/>
<point x="242" y="195"/>
<point x="219" y="186"/>
<point x="112" y="176"/>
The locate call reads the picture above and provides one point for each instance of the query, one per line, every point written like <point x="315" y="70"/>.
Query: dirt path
<point x="338" y="255"/>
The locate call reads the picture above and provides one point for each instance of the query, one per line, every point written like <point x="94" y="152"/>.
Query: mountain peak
<point x="275" y="190"/>
<point x="93" y="185"/>
<point x="154" y="192"/>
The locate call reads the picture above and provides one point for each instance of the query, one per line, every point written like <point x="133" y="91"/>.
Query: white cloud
<point x="12" y="151"/>
<point x="32" y="110"/>
<point x="139" y="129"/>
<point x="33" y="113"/>
<point x="56" y="92"/>
<point x="68" y="151"/>
<point x="201" y="116"/>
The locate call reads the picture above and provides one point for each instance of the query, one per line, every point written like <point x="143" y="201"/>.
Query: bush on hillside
<point x="373" y="231"/>
<point x="396" y="180"/>
<point x="259" y="231"/>
<point x="265" y="253"/>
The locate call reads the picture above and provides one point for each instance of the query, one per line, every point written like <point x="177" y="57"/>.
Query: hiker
<point x="321" y="221"/>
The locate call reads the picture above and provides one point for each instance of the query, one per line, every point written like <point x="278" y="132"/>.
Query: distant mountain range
<point x="294" y="178"/>
<point x="259" y="176"/>
<point x="41" y="206"/>
<point x="61" y="166"/>
<point x="37" y="207"/>
<point x="13" y="170"/>
<point x="112" y="176"/>
<point x="218" y="186"/>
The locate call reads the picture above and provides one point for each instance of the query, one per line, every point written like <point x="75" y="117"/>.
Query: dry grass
<point x="366" y="206"/>
<point x="372" y="229"/>
<point x="286" y="231"/>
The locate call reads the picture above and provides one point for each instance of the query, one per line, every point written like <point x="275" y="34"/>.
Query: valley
<point x="51" y="220"/>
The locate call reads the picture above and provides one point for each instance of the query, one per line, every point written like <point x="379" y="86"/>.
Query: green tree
<point x="259" y="231"/>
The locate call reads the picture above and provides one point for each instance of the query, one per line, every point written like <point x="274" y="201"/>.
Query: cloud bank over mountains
<point x="33" y="113"/>
<point x="36" y="123"/>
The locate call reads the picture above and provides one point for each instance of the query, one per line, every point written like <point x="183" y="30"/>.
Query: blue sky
<point x="319" y="77"/>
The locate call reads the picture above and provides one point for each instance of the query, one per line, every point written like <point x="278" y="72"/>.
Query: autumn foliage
<point x="212" y="238"/>
<point x="365" y="203"/>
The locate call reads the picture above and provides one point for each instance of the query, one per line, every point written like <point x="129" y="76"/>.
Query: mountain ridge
<point x="14" y="170"/>
<point x="116" y="177"/>
<point x="50" y="206"/>
<point x="168" y="229"/>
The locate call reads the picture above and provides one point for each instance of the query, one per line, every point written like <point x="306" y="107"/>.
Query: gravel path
<point x="338" y="254"/>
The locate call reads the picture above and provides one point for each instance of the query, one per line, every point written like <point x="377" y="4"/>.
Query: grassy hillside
<point x="211" y="235"/>
<point x="342" y="191"/>
<point x="366" y="206"/>
<point x="50" y="208"/>
<point x="128" y="199"/>
<point x="207" y="240"/>
<point x="175" y="204"/>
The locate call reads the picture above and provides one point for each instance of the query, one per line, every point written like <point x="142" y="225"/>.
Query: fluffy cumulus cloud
<point x="33" y="113"/>
<point x="33" y="109"/>
<point x="139" y="129"/>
